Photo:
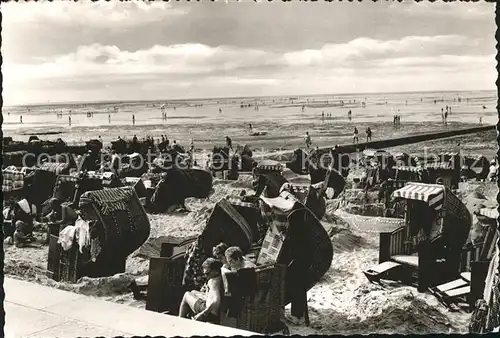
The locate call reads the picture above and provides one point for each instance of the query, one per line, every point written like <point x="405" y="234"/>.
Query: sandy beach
<point x="343" y="302"/>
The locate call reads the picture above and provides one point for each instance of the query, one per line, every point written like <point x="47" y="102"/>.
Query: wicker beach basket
<point x="122" y="224"/>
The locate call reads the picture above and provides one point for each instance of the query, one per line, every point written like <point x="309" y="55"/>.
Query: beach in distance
<point x="282" y="121"/>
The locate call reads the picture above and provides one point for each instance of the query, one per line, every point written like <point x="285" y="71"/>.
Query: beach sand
<point x="343" y="301"/>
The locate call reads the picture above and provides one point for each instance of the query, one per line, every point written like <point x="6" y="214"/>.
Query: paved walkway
<point x="33" y="310"/>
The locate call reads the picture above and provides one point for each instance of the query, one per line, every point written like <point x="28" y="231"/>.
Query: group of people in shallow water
<point x="355" y="137"/>
<point x="205" y="305"/>
<point x="396" y="120"/>
<point x="444" y="114"/>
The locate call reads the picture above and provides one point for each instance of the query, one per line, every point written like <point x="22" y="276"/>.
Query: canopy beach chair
<point x="295" y="253"/>
<point x="473" y="269"/>
<point x="436" y="227"/>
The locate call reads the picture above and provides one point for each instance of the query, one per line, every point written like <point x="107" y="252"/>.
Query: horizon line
<point x="243" y="97"/>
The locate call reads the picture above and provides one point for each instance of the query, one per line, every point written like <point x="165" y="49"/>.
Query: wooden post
<point x="479" y="271"/>
<point x="384" y="253"/>
<point x="425" y="265"/>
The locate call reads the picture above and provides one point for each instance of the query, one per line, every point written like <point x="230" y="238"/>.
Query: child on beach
<point x="355" y="138"/>
<point x="205" y="305"/>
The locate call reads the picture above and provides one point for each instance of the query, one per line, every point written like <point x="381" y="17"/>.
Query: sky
<point x="68" y="51"/>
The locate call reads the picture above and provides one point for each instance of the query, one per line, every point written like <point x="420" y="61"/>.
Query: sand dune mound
<point x="345" y="240"/>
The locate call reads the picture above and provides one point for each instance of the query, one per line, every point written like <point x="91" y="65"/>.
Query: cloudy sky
<point x="66" y="51"/>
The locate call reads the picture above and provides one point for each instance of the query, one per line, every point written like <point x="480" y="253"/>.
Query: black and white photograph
<point x="240" y="168"/>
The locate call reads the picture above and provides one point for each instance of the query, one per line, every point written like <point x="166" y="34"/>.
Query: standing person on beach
<point x="355" y="138"/>
<point x="446" y="117"/>
<point x="308" y="140"/>
<point x="69" y="120"/>
<point x="133" y="119"/>
<point x="368" y="134"/>
<point x="250" y="126"/>
<point x="21" y="119"/>
<point x="109" y="118"/>
<point x="229" y="142"/>
<point x="480" y="120"/>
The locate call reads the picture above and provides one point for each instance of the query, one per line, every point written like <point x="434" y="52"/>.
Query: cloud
<point x="477" y="10"/>
<point x="91" y="14"/>
<point x="202" y="70"/>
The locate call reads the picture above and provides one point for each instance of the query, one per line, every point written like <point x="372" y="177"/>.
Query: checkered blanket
<point x="275" y="212"/>
<point x="12" y="179"/>
<point x="56" y="168"/>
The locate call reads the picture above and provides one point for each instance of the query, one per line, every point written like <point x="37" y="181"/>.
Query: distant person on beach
<point x="480" y="120"/>
<point x="308" y="140"/>
<point x="229" y="142"/>
<point x="133" y="119"/>
<point x="109" y="118"/>
<point x="323" y="116"/>
<point x="69" y="120"/>
<point x="368" y="134"/>
<point x="446" y="117"/>
<point x="220" y="110"/>
<point x="115" y="161"/>
<point x="21" y="119"/>
<point x="251" y="127"/>
<point x="355" y="138"/>
<point x="493" y="170"/>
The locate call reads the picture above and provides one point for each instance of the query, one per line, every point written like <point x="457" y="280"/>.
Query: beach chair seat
<point x="411" y="260"/>
<point x="166" y="270"/>
<point x="375" y="273"/>
<point x="466" y="276"/>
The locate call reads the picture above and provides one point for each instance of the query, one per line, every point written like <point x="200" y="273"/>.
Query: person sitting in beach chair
<point x="60" y="214"/>
<point x="219" y="252"/>
<point x="205" y="305"/>
<point x="23" y="220"/>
